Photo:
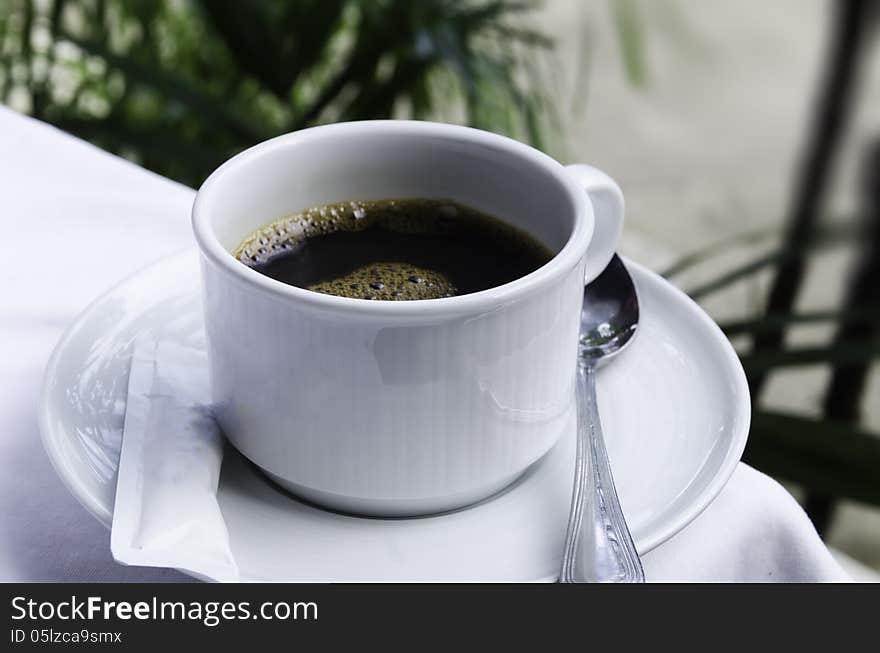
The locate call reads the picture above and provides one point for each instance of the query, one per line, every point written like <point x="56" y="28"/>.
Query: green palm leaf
<point x="770" y="322"/>
<point x="837" y="354"/>
<point x="217" y="75"/>
<point x="822" y="455"/>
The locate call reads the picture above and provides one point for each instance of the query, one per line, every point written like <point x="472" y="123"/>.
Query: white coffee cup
<point x="399" y="408"/>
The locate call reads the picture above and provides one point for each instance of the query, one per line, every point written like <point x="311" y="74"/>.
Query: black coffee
<point x="393" y="249"/>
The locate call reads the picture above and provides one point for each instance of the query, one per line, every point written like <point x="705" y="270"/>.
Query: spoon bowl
<point x="610" y="313"/>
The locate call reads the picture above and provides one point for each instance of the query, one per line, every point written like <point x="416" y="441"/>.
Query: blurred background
<point x="745" y="135"/>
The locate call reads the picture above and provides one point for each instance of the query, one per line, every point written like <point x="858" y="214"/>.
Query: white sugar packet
<point x="166" y="512"/>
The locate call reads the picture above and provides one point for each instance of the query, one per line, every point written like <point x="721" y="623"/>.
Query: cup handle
<point x="607" y="200"/>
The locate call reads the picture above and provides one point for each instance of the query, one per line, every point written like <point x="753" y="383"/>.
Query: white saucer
<point x="675" y="410"/>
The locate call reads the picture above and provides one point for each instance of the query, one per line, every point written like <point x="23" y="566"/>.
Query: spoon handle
<point x="598" y="544"/>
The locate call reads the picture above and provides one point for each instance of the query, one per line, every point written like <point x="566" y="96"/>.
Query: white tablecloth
<point x="75" y="220"/>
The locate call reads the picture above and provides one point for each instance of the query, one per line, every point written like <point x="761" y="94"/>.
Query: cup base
<point x="392" y="508"/>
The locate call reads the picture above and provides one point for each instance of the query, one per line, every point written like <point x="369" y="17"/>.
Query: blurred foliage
<point x="628" y="26"/>
<point x="180" y="85"/>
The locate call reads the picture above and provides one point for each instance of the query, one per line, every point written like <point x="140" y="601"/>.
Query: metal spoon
<point x="598" y="545"/>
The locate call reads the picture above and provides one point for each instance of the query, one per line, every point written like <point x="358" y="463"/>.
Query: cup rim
<point x="565" y="259"/>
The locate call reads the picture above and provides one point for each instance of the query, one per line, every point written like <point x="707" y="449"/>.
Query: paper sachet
<point x="166" y="512"/>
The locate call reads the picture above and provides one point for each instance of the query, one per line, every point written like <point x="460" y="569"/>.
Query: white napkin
<point x="166" y="512"/>
<point x="754" y="532"/>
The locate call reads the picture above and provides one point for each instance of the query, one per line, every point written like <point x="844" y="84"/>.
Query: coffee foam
<point x="389" y="281"/>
